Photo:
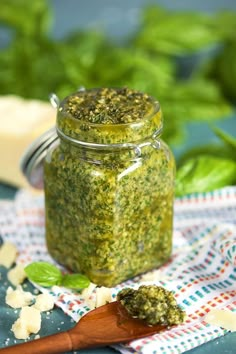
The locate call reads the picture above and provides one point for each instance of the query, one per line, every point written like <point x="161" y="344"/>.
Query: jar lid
<point x="32" y="161"/>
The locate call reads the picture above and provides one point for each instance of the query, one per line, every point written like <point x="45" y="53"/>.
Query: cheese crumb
<point x="20" y="331"/>
<point x="18" y="297"/>
<point x="28" y="322"/>
<point x="44" y="302"/>
<point x="222" y="318"/>
<point x="8" y="253"/>
<point x="16" y="275"/>
<point x="88" y="296"/>
<point x="88" y="291"/>
<point x="103" y="296"/>
<point x="151" y="276"/>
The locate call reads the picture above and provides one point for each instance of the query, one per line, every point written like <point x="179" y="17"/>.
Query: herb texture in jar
<point x="153" y="304"/>
<point x="109" y="186"/>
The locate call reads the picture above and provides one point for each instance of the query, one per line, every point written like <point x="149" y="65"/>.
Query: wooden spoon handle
<point x="54" y="344"/>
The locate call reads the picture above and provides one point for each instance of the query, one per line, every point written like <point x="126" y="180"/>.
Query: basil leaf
<point x="29" y="18"/>
<point x="75" y="281"/>
<point x="224" y="69"/>
<point x="225" y="24"/>
<point x="213" y="149"/>
<point x="176" y="32"/>
<point x="229" y="140"/>
<point x="196" y="99"/>
<point x="43" y="273"/>
<point x="203" y="174"/>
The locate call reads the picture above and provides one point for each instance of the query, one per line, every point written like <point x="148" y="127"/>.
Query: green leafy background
<point x="152" y="60"/>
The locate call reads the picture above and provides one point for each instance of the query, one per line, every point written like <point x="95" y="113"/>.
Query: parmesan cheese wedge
<point x="222" y="318"/>
<point x="21" y="122"/>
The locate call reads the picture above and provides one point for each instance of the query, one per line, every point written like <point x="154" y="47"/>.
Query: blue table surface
<point x="58" y="321"/>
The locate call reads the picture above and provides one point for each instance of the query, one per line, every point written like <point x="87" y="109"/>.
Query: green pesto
<point x="108" y="105"/>
<point x="109" y="116"/>
<point x="153" y="304"/>
<point x="109" y="211"/>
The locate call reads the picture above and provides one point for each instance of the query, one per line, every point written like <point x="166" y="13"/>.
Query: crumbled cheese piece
<point x="88" y="296"/>
<point x="222" y="318"/>
<point x="17" y="274"/>
<point x="8" y="253"/>
<point x="20" y="331"/>
<point x="18" y="297"/>
<point x="88" y="291"/>
<point x="44" y="302"/>
<point x="151" y="276"/>
<point x="28" y="322"/>
<point x="91" y="303"/>
<point x="103" y="296"/>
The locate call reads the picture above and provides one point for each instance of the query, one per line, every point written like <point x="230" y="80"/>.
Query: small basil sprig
<point x="46" y="274"/>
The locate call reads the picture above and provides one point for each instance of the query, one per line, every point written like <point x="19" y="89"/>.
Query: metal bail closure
<point x="154" y="142"/>
<point x="32" y="161"/>
<point x="54" y="100"/>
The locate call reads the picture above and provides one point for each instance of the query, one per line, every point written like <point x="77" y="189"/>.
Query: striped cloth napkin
<point x="201" y="272"/>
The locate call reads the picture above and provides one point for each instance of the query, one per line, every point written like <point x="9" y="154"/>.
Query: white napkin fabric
<point x="201" y="271"/>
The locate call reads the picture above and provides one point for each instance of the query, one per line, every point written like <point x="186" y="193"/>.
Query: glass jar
<point x="109" y="186"/>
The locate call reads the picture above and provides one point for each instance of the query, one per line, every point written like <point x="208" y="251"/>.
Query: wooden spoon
<point x="108" y="324"/>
